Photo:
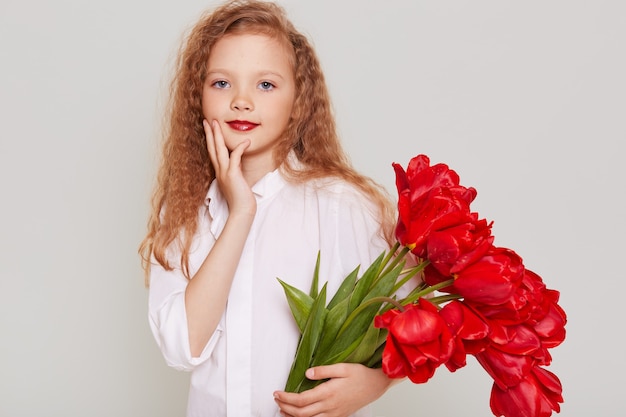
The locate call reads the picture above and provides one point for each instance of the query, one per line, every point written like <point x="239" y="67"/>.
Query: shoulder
<point x="337" y="189"/>
<point x="341" y="198"/>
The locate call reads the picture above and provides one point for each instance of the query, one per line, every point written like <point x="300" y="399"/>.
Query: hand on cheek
<point x="228" y="172"/>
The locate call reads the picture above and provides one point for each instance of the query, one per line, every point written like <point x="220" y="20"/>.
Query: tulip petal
<point x="506" y="370"/>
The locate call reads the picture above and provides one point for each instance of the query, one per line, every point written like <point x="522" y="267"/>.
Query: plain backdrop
<point x="526" y="100"/>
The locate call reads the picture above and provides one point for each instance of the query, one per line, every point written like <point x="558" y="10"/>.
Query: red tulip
<point x="417" y="343"/>
<point x="522" y="340"/>
<point x="525" y="305"/>
<point x="491" y="280"/>
<point x="507" y="370"/>
<point x="421" y="178"/>
<point x="429" y="198"/>
<point x="432" y="276"/>
<point x="533" y="310"/>
<point x="469" y="330"/>
<point x="551" y="328"/>
<point x="537" y="395"/>
<point x="452" y="249"/>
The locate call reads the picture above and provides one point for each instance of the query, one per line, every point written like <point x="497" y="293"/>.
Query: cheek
<point x="289" y="106"/>
<point x="209" y="105"/>
<point x="205" y="105"/>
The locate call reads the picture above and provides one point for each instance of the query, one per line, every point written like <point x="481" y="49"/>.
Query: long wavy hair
<point x="186" y="171"/>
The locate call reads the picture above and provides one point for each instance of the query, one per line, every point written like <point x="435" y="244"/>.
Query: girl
<point x="253" y="183"/>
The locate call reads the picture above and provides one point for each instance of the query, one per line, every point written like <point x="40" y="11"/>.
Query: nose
<point x="242" y="102"/>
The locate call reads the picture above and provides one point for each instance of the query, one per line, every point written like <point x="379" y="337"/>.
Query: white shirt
<point x="250" y="354"/>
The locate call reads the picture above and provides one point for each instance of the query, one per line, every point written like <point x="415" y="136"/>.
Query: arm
<point x="207" y="292"/>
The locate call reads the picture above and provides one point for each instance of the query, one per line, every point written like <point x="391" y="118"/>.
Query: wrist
<point x="242" y="215"/>
<point x="243" y="211"/>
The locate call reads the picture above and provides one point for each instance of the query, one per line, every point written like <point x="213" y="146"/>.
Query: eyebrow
<point x="261" y="74"/>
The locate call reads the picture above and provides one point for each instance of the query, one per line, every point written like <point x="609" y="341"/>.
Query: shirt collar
<point x="266" y="187"/>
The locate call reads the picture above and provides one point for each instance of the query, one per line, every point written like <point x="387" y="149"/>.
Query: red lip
<point x="241" y="125"/>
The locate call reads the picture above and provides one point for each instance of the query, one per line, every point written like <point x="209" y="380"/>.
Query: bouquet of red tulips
<point x="472" y="298"/>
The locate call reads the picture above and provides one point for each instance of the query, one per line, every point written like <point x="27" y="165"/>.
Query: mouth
<point x="242" y="125"/>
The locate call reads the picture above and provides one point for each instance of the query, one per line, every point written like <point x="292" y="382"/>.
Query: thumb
<point x="236" y="154"/>
<point x="326" y="371"/>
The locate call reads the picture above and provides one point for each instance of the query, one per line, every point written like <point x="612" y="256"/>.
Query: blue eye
<point x="266" y="85"/>
<point x="221" y="84"/>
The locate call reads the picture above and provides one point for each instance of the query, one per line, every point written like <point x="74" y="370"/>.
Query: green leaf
<point x="308" y="384"/>
<point x="299" y="302"/>
<point x="316" y="277"/>
<point x="335" y="324"/>
<point x="308" y="342"/>
<point x="351" y="334"/>
<point x="376" y="360"/>
<point x="382" y="288"/>
<point x="367" y="348"/>
<point x="345" y="289"/>
<point x="339" y="356"/>
<point x="337" y="311"/>
<point x="363" y="285"/>
<point x="334" y="320"/>
<point x="361" y="318"/>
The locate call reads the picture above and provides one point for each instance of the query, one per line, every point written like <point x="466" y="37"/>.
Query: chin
<point x="231" y="144"/>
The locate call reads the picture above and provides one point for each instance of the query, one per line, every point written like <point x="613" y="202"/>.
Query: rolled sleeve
<point x="168" y="320"/>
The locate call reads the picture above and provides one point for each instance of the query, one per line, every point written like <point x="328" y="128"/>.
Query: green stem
<point x="391" y="253"/>
<point x="384" y="267"/>
<point x="428" y="290"/>
<point x="396" y="260"/>
<point x="410" y="273"/>
<point x="443" y="298"/>
<point x="363" y="306"/>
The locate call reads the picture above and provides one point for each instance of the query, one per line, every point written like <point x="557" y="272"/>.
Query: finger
<point x="298" y="404"/>
<point x="221" y="151"/>
<point x="290" y="399"/>
<point x="210" y="143"/>
<point x="338" y="370"/>
<point x="235" y="155"/>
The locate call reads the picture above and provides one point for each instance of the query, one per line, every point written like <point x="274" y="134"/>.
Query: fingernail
<point x="310" y="373"/>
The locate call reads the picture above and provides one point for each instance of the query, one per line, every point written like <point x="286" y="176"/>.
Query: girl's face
<point x="250" y="91"/>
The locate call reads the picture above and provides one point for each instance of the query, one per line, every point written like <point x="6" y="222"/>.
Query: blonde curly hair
<point x="186" y="172"/>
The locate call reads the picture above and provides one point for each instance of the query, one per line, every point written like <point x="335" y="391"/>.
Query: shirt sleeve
<point x="168" y="319"/>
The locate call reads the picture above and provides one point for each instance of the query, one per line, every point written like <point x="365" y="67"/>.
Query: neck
<point x="253" y="169"/>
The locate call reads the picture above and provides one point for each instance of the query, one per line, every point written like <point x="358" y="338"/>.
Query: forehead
<point x="245" y="50"/>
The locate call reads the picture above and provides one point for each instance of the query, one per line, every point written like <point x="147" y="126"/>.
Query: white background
<point x="526" y="100"/>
